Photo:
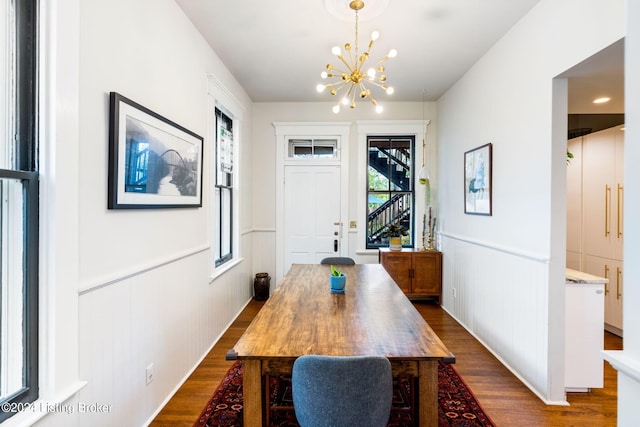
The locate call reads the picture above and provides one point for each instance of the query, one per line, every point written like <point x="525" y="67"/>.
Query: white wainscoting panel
<point x="170" y="317"/>
<point x="264" y="255"/>
<point x="501" y="297"/>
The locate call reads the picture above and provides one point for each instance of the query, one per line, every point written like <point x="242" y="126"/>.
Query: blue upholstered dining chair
<point x="349" y="391"/>
<point x="338" y="260"/>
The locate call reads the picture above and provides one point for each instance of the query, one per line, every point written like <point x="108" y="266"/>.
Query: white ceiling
<point x="277" y="49"/>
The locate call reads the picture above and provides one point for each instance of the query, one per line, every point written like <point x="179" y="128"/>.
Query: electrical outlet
<point x="149" y="373"/>
<point x="454" y="292"/>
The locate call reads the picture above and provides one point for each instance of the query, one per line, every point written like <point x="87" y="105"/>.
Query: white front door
<point x="312" y="223"/>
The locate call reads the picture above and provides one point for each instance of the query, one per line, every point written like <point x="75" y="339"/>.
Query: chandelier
<point x="353" y="81"/>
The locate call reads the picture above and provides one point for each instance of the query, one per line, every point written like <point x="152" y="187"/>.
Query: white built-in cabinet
<point x="595" y="225"/>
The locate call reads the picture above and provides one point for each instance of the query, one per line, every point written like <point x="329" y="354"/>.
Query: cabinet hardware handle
<point x="335" y="245"/>
<point x="618" y="274"/>
<point x="607" y="208"/>
<point x="606" y="276"/>
<point x="620" y="194"/>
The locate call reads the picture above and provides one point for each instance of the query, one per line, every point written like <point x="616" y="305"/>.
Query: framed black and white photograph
<point x="153" y="162"/>
<point x="477" y="180"/>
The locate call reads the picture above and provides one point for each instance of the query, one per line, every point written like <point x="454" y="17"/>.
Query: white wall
<point x="508" y="269"/>
<point x="127" y="288"/>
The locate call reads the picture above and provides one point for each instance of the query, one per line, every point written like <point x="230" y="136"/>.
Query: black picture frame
<point x="153" y="162"/>
<point x="478" y="180"/>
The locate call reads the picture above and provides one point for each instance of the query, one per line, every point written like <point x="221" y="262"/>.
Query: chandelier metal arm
<point x="341" y="58"/>
<point x="349" y="92"/>
<point x="352" y="60"/>
<point x="337" y="86"/>
<point x="381" y="60"/>
<point x="336" y="83"/>
<point x="363" y="59"/>
<point x="380" y="85"/>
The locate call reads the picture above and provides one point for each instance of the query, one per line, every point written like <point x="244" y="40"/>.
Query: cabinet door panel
<point x="599" y="193"/>
<point x="427" y="270"/>
<point x="612" y="270"/>
<point x="398" y="265"/>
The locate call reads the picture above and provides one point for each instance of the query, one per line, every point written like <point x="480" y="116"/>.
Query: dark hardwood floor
<point x="507" y="401"/>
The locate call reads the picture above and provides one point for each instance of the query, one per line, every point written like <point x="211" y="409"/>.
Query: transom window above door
<point x="313" y="149"/>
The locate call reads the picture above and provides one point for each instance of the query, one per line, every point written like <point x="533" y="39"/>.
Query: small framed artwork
<point x="153" y="162"/>
<point x="477" y="180"/>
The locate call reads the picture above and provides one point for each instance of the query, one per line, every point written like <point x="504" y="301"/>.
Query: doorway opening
<point x="595" y="187"/>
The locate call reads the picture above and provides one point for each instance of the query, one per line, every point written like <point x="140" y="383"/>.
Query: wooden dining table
<point x="372" y="317"/>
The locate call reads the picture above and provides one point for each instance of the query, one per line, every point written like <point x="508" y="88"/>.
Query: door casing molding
<point x="284" y="131"/>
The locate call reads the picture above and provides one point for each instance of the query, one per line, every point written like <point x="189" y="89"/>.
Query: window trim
<point x="388" y="128"/>
<point x="412" y="191"/>
<point x="220" y="187"/>
<point x="220" y="97"/>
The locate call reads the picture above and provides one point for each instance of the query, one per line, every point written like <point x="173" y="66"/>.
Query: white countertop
<point x="574" y="276"/>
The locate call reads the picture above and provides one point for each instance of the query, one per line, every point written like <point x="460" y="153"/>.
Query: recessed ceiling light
<point x="601" y="100"/>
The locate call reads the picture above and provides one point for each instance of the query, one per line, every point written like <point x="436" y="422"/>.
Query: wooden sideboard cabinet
<point x="417" y="273"/>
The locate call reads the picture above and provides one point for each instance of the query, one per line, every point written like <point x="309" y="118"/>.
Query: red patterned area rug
<point x="457" y="406"/>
